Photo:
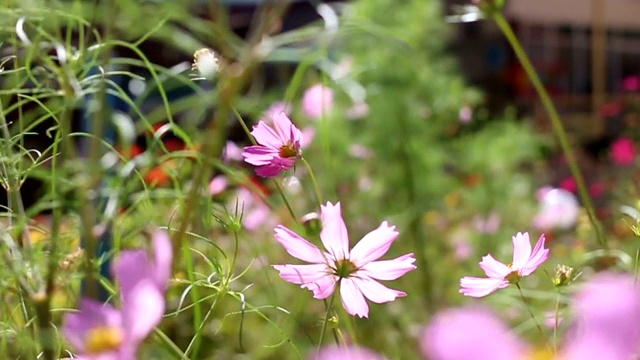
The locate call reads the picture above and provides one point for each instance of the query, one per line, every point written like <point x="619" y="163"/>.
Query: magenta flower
<point x="317" y="101"/>
<point x="623" y="151"/>
<point x="355" y="271"/>
<point x="485" y="337"/>
<point x="100" y="331"/>
<point x="500" y="275"/>
<point x="278" y="147"/>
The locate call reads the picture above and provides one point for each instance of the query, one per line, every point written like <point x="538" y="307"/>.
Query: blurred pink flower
<point x="355" y="271"/>
<point x="358" y="111"/>
<point x="488" y="225"/>
<point x="360" y="151"/>
<point x="275" y="109"/>
<point x="255" y="212"/>
<point x="350" y="352"/>
<point x="558" y="209"/>
<point x="218" y="184"/>
<point x="631" y="83"/>
<point x="597" y="189"/>
<point x="500" y="275"/>
<point x="308" y="134"/>
<point x="569" y="184"/>
<point x="470" y="334"/>
<point x="278" y="147"/>
<point x="607" y="310"/>
<point x="232" y="152"/>
<point x="317" y="101"/>
<point x="465" y="114"/>
<point x="100" y="331"/>
<point x="623" y="151"/>
<point x="550" y="319"/>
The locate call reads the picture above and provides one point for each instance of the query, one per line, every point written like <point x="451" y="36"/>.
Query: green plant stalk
<point x="555" y="323"/>
<point x="325" y="323"/>
<point x="316" y="188"/>
<point x="170" y="344"/>
<point x="558" y="128"/>
<point x="533" y="317"/>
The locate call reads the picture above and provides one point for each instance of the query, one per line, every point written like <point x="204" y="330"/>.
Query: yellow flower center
<point x="287" y="151"/>
<point x="103" y="339"/>
<point x="541" y="354"/>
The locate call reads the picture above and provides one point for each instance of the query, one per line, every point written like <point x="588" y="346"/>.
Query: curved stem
<point x="558" y="128"/>
<point x="533" y="317"/>
<point x="316" y="188"/>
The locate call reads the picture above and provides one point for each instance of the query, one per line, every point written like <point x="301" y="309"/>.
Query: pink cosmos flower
<point x="470" y="334"/>
<point x="350" y="352"/>
<point x="355" y="271"/>
<point x="500" y="275"/>
<point x="218" y="184"/>
<point x="275" y="109"/>
<point x="100" y="331"/>
<point x="606" y="308"/>
<point x="278" y="147"/>
<point x="623" y="151"/>
<point x="232" y="152"/>
<point x="317" y="101"/>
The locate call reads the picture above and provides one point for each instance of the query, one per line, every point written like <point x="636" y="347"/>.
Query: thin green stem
<point x="555" y="323"/>
<point x="533" y="317"/>
<point x="170" y="344"/>
<point x="326" y="320"/>
<point x="549" y="106"/>
<point x="316" y="188"/>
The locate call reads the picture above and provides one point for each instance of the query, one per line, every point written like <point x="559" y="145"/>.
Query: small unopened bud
<point x="312" y="224"/>
<point x="564" y="275"/>
<point x="206" y="62"/>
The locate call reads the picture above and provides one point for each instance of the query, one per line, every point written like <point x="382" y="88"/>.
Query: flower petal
<point x="352" y="299"/>
<point x="130" y="268"/>
<point x="142" y="310"/>
<point x="323" y="287"/>
<point x="91" y="314"/>
<point x="373" y="245"/>
<point x="538" y="256"/>
<point x="480" y="287"/>
<point x="334" y="234"/>
<point x="259" y="155"/>
<point x="266" y="136"/>
<point x="302" y="274"/>
<point x="285" y="128"/>
<point x="163" y="257"/>
<point x="494" y="268"/>
<point x="521" y="251"/>
<point x="389" y="269"/>
<point x="375" y="291"/>
<point x="298" y="247"/>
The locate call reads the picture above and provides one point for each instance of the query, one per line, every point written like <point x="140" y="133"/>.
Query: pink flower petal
<point x="298" y="247"/>
<point x="373" y="245"/>
<point x="285" y="129"/>
<point x="91" y="314"/>
<point x="323" y="287"/>
<point x="538" y="256"/>
<point x="352" y="299"/>
<point x="266" y="136"/>
<point x="480" y="287"/>
<point x="259" y="155"/>
<point x="163" y="257"/>
<point x="375" y="291"/>
<point x="302" y="274"/>
<point x="334" y="234"/>
<point x="493" y="268"/>
<point x="521" y="250"/>
<point x="142" y="311"/>
<point x="389" y="269"/>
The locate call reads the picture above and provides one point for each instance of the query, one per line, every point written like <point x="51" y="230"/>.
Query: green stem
<point x="533" y="317"/>
<point x="326" y="320"/>
<point x="506" y="29"/>
<point x="170" y="344"/>
<point x="555" y="323"/>
<point x="316" y="188"/>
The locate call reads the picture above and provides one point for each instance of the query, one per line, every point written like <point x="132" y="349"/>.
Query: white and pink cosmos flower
<point x="500" y="275"/>
<point x="278" y="147"/>
<point x="355" y="271"/>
